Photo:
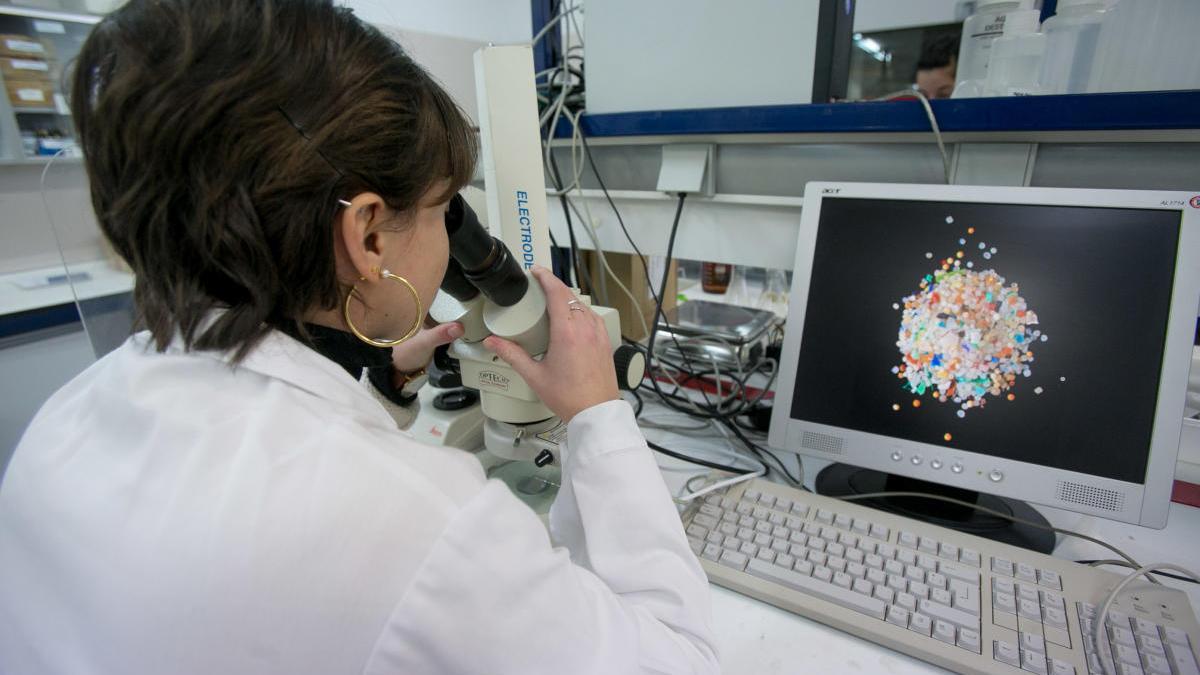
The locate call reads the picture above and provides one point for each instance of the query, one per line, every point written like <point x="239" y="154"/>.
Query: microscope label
<point x="526" y="228"/>
<point x="494" y="380"/>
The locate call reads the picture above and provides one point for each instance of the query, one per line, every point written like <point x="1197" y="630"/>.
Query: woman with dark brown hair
<point x="227" y="492"/>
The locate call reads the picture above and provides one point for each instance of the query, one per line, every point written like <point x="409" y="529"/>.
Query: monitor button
<point x="995" y="476"/>
<point x="916" y="459"/>
<point x="936" y="464"/>
<point x="896" y="456"/>
<point x="956" y="467"/>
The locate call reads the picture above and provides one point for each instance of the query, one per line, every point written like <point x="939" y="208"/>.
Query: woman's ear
<point x="355" y="226"/>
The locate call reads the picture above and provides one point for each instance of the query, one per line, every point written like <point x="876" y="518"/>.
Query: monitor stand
<point x="841" y="480"/>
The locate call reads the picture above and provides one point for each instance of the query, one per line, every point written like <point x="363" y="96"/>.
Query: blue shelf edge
<point x="1072" y="112"/>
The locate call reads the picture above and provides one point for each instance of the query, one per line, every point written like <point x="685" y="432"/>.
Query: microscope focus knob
<point x="544" y="457"/>
<point x="631" y="367"/>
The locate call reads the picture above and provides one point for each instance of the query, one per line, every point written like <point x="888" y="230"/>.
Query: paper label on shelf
<point x="31" y="95"/>
<point x="23" y="64"/>
<point x="50" y="27"/>
<point x="25" y="46"/>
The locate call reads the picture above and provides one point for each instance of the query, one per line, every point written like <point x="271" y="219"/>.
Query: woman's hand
<point x="577" y="371"/>
<point x="415" y="354"/>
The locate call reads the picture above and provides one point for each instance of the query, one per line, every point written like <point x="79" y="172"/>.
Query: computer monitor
<point x="1022" y="342"/>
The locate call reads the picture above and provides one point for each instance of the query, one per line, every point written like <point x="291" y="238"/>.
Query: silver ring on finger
<point x="575" y="306"/>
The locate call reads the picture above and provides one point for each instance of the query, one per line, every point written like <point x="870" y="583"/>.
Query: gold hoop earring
<point x="384" y="274"/>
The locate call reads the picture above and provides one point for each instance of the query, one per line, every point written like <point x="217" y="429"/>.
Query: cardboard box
<point x="628" y="268"/>
<point x="24" y="47"/>
<point x="29" y="94"/>
<point x="27" y="70"/>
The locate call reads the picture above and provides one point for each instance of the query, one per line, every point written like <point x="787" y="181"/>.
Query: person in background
<point x="937" y="67"/>
<point x="230" y="491"/>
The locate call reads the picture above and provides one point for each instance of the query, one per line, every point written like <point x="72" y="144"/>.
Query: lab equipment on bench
<point x="488" y="289"/>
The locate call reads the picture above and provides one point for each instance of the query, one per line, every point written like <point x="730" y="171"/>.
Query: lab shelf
<point x="1166" y="110"/>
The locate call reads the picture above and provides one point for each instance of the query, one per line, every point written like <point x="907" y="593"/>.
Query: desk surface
<point x="758" y="638"/>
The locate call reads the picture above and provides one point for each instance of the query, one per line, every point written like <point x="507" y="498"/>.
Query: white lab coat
<point x="170" y="513"/>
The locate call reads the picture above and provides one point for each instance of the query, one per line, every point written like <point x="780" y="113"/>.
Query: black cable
<point x="556" y="178"/>
<point x="695" y="460"/>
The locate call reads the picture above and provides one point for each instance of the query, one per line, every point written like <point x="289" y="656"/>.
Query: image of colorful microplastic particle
<point x="964" y="338"/>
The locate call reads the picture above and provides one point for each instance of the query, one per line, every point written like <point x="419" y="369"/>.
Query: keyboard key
<point x="817" y="544"/>
<point x="783" y="504"/>
<point x="1053" y="616"/>
<point x="928" y="545"/>
<point x="1144" y="627"/>
<point x="728" y="503"/>
<point x="1122" y="636"/>
<point x="906" y="556"/>
<point x="1006" y="652"/>
<point x="1029" y="609"/>
<point x="697" y="545"/>
<point x="780" y="545"/>
<point x="874" y="561"/>
<point x="914" y="573"/>
<point x="715" y="538"/>
<point x="968" y="639"/>
<point x="855" y="570"/>
<point x="936" y="580"/>
<point x="799" y="551"/>
<point x="1128" y="655"/>
<point x="944" y="631"/>
<point x="1034" y="662"/>
<point x="766" y="554"/>
<point x="886" y="551"/>
<point x="812" y="586"/>
<point x="863" y="586"/>
<point x="1026" y="592"/>
<point x="918" y="589"/>
<point x="960" y="572"/>
<point x="730" y="516"/>
<point x="746" y="521"/>
<point x="880" y="532"/>
<point x="1003" y="602"/>
<point x="1181" y="659"/>
<point x="1154" y="664"/>
<point x="1049" y="579"/>
<point x="798" y="538"/>
<point x="1026" y="572"/>
<point x="954" y="616"/>
<point x="842" y="579"/>
<point x="908" y="540"/>
<point x="829" y="534"/>
<point x="760" y="513"/>
<point x="1001" y="585"/>
<point x="749" y="549"/>
<point x="897" y="583"/>
<point x="861" y="526"/>
<point x="948" y="551"/>
<point x="817" y="557"/>
<point x="825" y="516"/>
<point x="751" y="494"/>
<point x="803" y="567"/>
<point x="729" y="529"/>
<point x="800" y="510"/>
<point x="734" y="559"/>
<point x="843" y="521"/>
<point x="710" y="510"/>
<point x="940" y="597"/>
<point x="823" y="573"/>
<point x="1052" y="599"/>
<point x="836" y="564"/>
<point x="762" y="539"/>
<point x="745" y="508"/>
<point x="1061" y="668"/>
<point x="781" y="532"/>
<point x="885" y="594"/>
<point x="793" y="522"/>
<point x="855" y="555"/>
<point x="711" y="552"/>
<point x="907" y="601"/>
<point x="927" y="562"/>
<point x="894" y="567"/>
<point x="1032" y="642"/>
<point x="969" y="556"/>
<point x="835" y="549"/>
<point x="762" y="526"/>
<point x="785" y="560"/>
<point x="1175" y="636"/>
<point x="898" y="616"/>
<point x="767" y="500"/>
<point x="876" y="576"/>
<point x="919" y="623"/>
<point x="777" y="519"/>
<point x="697" y="531"/>
<point x="1002" y="566"/>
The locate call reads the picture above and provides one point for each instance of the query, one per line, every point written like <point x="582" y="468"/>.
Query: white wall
<point x="874" y="15"/>
<point x="499" y="21"/>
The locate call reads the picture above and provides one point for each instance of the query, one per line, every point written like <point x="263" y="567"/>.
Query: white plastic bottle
<point x="1071" y="37"/>
<point x="1147" y="45"/>
<point x="1016" y="56"/>
<point x="979" y="31"/>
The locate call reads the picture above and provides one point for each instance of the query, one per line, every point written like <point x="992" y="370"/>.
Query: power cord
<point x="1122" y="563"/>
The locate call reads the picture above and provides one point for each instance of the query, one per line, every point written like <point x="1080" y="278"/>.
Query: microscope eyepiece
<point x="480" y="259"/>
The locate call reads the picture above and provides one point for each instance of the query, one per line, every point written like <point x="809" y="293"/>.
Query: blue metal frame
<point x="1074" y="112"/>
<point x="38" y="319"/>
<point x="548" y="52"/>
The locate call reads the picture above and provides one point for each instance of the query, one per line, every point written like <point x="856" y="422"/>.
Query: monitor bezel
<point x="1144" y="504"/>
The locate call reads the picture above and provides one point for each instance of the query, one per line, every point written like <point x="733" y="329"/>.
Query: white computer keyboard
<point x="962" y="602"/>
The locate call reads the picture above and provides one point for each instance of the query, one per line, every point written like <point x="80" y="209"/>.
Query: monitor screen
<point x="1033" y="333"/>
